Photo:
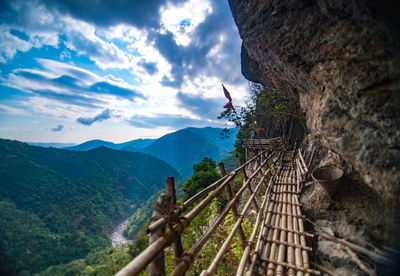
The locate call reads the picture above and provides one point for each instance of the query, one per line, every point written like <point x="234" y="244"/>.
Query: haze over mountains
<point x="186" y="147"/>
<point x="92" y="144"/>
<point x="51" y="145"/>
<point x="181" y="149"/>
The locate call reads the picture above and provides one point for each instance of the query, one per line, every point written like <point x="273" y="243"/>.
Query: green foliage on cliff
<point x="106" y="262"/>
<point x="266" y="114"/>
<point x="58" y="205"/>
<point x="205" y="173"/>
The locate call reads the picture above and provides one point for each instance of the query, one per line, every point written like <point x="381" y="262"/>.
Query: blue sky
<point x="72" y="71"/>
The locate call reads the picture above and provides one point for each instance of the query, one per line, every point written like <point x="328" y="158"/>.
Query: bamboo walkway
<point x="277" y="245"/>
<point x="281" y="245"/>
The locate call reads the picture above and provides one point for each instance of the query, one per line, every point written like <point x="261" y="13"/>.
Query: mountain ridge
<point x="180" y="149"/>
<point x="92" y="144"/>
<point x="186" y="147"/>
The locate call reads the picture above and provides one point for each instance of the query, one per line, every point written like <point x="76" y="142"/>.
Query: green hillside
<point x="58" y="205"/>
<point x="221" y="136"/>
<point x="183" y="149"/>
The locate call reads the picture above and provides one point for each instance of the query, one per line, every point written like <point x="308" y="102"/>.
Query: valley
<point x="62" y="204"/>
<point x="59" y="205"/>
<point x="117" y="235"/>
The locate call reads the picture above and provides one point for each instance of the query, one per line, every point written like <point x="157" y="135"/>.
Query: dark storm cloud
<point x="192" y="60"/>
<point x="105" y="13"/>
<point x="164" y="120"/>
<point x="87" y="121"/>
<point x="58" y="128"/>
<point x="167" y="47"/>
<point x="206" y="108"/>
<point x="174" y="54"/>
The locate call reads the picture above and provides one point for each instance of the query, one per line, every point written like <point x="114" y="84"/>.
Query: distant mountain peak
<point x="181" y="149"/>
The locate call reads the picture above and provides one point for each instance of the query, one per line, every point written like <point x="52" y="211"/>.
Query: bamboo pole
<point x="162" y="222"/>
<point x="283" y="224"/>
<point x="212" y="268"/>
<point x="302" y="238"/>
<point x="177" y="245"/>
<point x="263" y="230"/>
<point x="282" y="238"/>
<point x="184" y="264"/>
<point x="176" y="212"/>
<point x="358" y="262"/>
<point x="261" y="247"/>
<point x="293" y="203"/>
<point x="305" y="269"/>
<point x="256" y="204"/>
<point x="299" y="188"/>
<point x="266" y="248"/>
<point x="303" y="162"/>
<point x="157" y="266"/>
<point x="140" y="262"/>
<point x="288" y="230"/>
<point x="311" y="158"/>
<point x="260" y="217"/>
<point x="228" y="190"/>
<point x="290" y="252"/>
<point x="291" y="244"/>
<point x="298" y="256"/>
<point x="273" y="250"/>
<point x="323" y="269"/>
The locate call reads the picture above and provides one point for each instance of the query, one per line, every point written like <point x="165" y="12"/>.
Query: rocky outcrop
<point x="340" y="59"/>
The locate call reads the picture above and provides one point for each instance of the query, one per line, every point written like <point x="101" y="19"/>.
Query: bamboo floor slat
<point x="282" y="241"/>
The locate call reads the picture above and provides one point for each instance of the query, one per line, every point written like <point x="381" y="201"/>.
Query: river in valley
<point x="117" y="238"/>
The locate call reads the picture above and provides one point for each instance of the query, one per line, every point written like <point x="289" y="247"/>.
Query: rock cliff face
<point x="340" y="59"/>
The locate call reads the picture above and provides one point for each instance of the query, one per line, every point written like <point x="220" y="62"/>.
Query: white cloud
<point x="182" y="19"/>
<point x="38" y="39"/>
<point x="62" y="68"/>
<point x="12" y="110"/>
<point x="82" y="39"/>
<point x="125" y="47"/>
<point x="36" y="22"/>
<point x="10" y="44"/>
<point x="63" y="90"/>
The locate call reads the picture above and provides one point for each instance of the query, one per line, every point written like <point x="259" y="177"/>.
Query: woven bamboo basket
<point x="328" y="178"/>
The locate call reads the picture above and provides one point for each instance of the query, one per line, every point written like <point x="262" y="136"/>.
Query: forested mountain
<point x="223" y="137"/>
<point x="58" y="205"/>
<point x="184" y="148"/>
<point x="52" y="145"/>
<point x="181" y="149"/>
<point x="136" y="145"/>
<point x="133" y="145"/>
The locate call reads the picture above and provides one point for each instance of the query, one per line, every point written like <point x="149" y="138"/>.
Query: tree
<point x="266" y="114"/>
<point x="204" y="174"/>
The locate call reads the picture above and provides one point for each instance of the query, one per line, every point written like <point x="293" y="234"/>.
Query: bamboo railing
<point x="278" y="229"/>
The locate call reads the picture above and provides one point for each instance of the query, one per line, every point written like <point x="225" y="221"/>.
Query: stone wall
<point x="340" y="59"/>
